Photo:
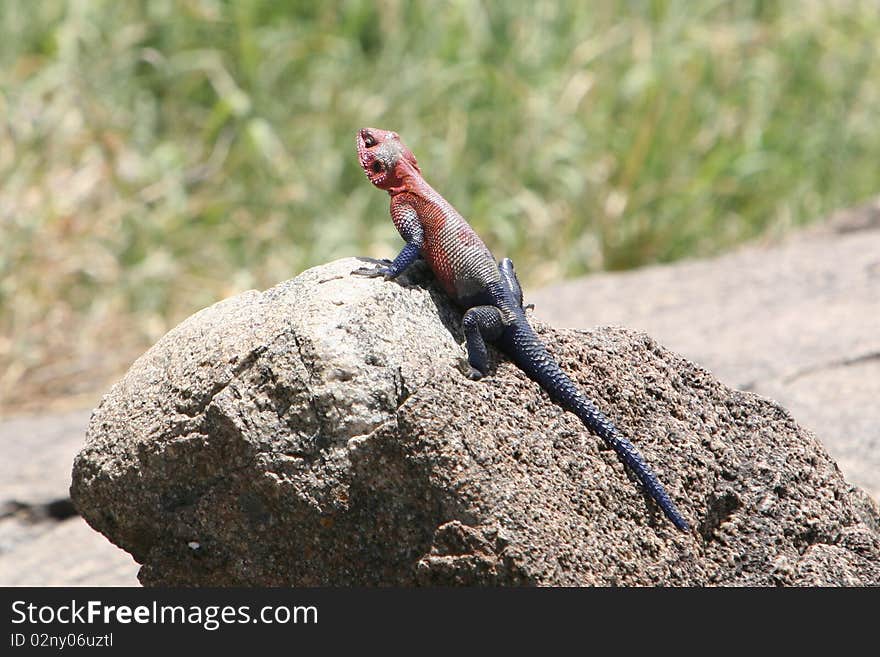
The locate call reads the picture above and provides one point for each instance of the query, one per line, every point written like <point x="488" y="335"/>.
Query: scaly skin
<point x="488" y="291"/>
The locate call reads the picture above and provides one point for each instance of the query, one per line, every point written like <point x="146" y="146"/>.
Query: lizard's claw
<point x="474" y="374"/>
<point x="374" y="272"/>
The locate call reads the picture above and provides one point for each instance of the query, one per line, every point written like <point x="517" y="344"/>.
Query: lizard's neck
<point x="411" y="181"/>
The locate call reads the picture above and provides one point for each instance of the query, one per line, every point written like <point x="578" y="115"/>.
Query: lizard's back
<point x="458" y="257"/>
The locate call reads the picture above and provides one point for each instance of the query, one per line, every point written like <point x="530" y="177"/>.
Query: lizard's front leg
<point x="408" y="255"/>
<point x="406" y="219"/>
<point x="481" y="323"/>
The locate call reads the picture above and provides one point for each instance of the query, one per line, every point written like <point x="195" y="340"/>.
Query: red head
<point x="385" y="159"/>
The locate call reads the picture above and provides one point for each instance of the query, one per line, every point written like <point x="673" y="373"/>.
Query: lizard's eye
<point x="378" y="167"/>
<point x="369" y="140"/>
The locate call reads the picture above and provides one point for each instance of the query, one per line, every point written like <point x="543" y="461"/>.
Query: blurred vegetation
<point x="158" y="155"/>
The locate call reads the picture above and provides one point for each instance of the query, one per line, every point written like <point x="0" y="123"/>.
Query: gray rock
<point x="63" y="553"/>
<point x="37" y="453"/>
<point x="40" y="543"/>
<point x="322" y="432"/>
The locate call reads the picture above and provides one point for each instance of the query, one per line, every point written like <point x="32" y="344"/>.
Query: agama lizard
<point x="489" y="291"/>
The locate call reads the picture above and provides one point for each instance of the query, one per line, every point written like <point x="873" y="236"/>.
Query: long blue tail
<point x="524" y="347"/>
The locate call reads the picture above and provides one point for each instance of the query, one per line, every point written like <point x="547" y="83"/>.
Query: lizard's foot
<point x="374" y="272"/>
<point x="474" y="374"/>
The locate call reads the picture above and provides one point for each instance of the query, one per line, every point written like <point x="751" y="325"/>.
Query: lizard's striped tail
<point x="531" y="356"/>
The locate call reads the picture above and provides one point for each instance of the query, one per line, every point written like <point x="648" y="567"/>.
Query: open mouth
<point x="374" y="171"/>
<point x="372" y="166"/>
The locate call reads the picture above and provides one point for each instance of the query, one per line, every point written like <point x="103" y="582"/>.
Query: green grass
<point x="157" y="156"/>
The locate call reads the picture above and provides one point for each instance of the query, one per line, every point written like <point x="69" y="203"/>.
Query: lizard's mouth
<point x="372" y="165"/>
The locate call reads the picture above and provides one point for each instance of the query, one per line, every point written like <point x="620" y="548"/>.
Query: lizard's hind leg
<point x="480" y="323"/>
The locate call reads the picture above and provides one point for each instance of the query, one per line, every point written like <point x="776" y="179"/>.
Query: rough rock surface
<point x="321" y="432"/>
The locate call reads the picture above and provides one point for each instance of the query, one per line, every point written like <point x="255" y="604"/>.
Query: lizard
<point x="487" y="290"/>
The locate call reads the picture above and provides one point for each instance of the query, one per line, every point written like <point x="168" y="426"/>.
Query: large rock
<point x="322" y="432"/>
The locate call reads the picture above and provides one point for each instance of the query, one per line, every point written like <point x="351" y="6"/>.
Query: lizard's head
<point x="384" y="158"/>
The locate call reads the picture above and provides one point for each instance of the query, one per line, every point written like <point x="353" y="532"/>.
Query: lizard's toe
<point x="372" y="272"/>
<point x="474" y="374"/>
